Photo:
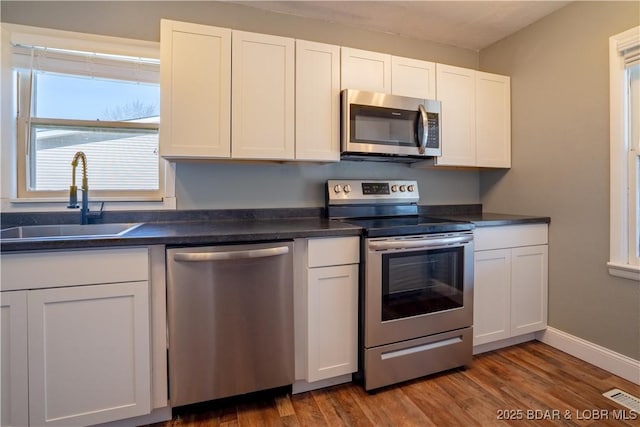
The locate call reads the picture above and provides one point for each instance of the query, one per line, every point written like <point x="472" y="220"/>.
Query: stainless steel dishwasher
<point x="230" y="312"/>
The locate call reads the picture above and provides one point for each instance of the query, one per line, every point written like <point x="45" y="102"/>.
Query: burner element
<point x="407" y="225"/>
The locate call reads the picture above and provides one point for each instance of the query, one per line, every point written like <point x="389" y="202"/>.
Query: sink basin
<point x="66" y="231"/>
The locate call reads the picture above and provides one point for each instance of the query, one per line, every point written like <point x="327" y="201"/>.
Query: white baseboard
<point x="602" y="357"/>
<point x="483" y="348"/>
<point x="156" y="416"/>
<point x="303" y="386"/>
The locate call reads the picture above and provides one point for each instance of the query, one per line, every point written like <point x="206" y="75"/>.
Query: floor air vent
<point x="624" y="399"/>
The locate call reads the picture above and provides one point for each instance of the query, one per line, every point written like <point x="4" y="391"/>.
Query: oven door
<point x="417" y="286"/>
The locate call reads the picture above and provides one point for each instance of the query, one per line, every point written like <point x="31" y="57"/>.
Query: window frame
<point x="624" y="234"/>
<point x="25" y="120"/>
<point x="13" y="178"/>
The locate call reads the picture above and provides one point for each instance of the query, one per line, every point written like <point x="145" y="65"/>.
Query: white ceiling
<point x="467" y="24"/>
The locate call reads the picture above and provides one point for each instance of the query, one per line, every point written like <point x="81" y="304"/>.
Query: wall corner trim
<point x="602" y="357"/>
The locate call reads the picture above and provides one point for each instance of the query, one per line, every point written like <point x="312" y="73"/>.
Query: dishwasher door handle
<point x="231" y="255"/>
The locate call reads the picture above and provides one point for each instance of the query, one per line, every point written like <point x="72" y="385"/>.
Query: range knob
<point x="394" y="188"/>
<point x="403" y="188"/>
<point x="337" y="188"/>
<point x="411" y="188"/>
<point x="347" y="188"/>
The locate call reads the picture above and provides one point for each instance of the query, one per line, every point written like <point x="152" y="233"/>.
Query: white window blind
<point x="630" y="50"/>
<point x="90" y="64"/>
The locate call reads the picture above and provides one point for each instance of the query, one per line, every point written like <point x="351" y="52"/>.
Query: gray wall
<point x="560" y="145"/>
<point x="236" y="185"/>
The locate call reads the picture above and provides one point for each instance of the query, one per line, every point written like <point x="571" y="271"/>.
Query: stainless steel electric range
<point x="416" y="285"/>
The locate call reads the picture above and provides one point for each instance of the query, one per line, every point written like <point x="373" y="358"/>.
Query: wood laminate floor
<point x="531" y="384"/>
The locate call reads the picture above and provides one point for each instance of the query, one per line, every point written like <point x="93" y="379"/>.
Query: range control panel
<point x="372" y="191"/>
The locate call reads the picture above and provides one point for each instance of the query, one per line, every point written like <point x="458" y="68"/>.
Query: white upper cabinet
<point x="262" y="96"/>
<point x="456" y="91"/>
<point x="195" y="78"/>
<point x="413" y="78"/>
<point x="365" y="70"/>
<point x="317" y="101"/>
<point x="384" y="73"/>
<point x="240" y="95"/>
<point x="476" y="117"/>
<point x="493" y="120"/>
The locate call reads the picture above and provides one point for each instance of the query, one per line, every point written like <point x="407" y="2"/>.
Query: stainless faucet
<point x="73" y="190"/>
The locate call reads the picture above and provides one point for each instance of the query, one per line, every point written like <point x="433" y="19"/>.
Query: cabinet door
<point x="529" y="279"/>
<point x="15" y="379"/>
<point x="365" y="70"/>
<point x="455" y="87"/>
<point x="491" y="296"/>
<point x="332" y="302"/>
<point x="413" y="77"/>
<point x="262" y="96"/>
<point x="195" y="81"/>
<point x="493" y="120"/>
<point x="317" y="101"/>
<point x="89" y="354"/>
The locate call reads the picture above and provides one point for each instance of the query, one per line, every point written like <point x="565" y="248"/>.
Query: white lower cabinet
<point x="529" y="279"/>
<point x="75" y="355"/>
<point x="511" y="280"/>
<point x="326" y="307"/>
<point x="15" y="374"/>
<point x="88" y="354"/>
<point x="492" y="296"/>
<point x="333" y="321"/>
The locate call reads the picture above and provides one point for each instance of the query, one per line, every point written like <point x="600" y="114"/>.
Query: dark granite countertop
<point x="490" y="219"/>
<point x="199" y="233"/>
<point x="183" y="228"/>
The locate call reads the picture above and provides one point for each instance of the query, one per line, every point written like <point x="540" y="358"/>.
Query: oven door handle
<point x="416" y="244"/>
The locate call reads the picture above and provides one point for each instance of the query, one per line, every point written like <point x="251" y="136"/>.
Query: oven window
<point x="415" y="283"/>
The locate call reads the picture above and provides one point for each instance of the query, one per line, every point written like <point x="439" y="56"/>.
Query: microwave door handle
<point x="423" y="129"/>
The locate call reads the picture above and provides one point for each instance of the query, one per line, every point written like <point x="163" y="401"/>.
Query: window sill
<point x="112" y="204"/>
<point x="626" y="271"/>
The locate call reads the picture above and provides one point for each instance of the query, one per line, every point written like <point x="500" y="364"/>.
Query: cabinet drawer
<point x="510" y="236"/>
<point x="50" y="269"/>
<point x="334" y="251"/>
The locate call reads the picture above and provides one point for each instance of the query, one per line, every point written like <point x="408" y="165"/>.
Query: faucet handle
<point x="73" y="197"/>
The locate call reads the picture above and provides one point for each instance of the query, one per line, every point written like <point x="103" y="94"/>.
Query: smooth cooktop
<point x="407" y="225"/>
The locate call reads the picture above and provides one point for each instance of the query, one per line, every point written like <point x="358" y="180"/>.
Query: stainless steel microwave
<point x="382" y="125"/>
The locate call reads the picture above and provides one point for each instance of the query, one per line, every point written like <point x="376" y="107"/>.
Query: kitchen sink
<point x="66" y="231"/>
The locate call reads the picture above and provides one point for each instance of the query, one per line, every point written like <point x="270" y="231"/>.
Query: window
<point x="95" y="94"/>
<point x="633" y="78"/>
<point x="624" y="74"/>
